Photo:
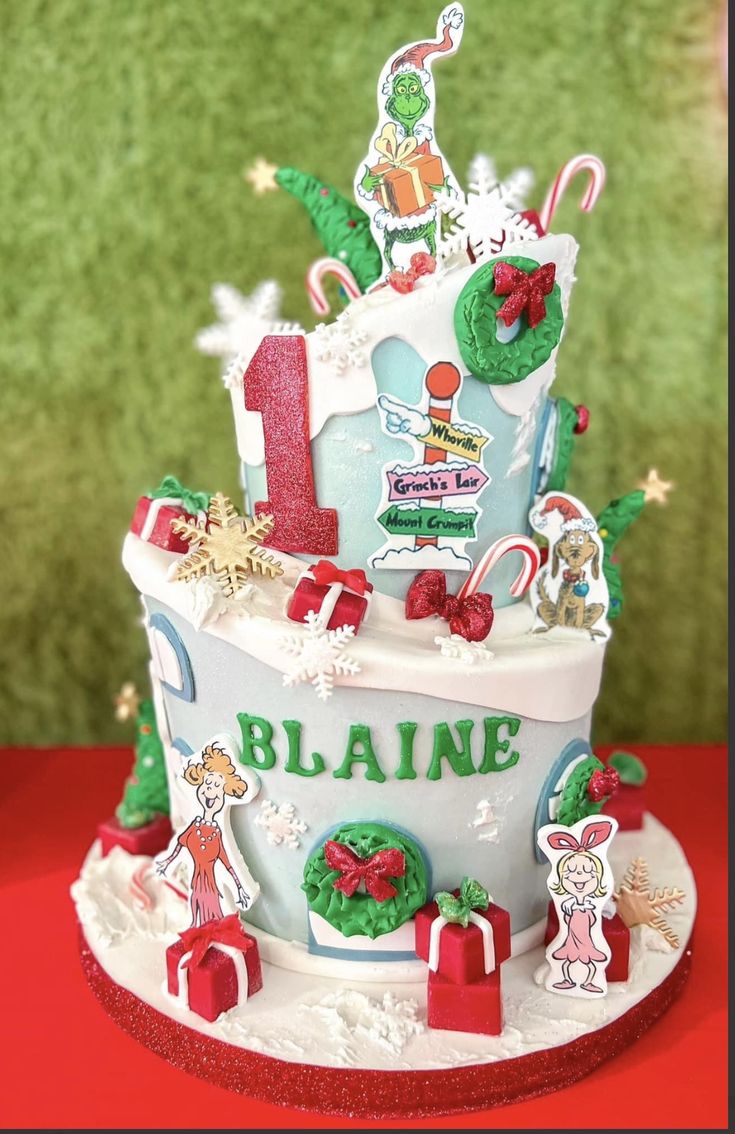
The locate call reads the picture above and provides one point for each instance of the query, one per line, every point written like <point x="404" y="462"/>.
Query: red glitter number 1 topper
<point x="277" y="387"/>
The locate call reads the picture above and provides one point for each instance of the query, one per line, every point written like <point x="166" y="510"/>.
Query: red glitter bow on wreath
<point x="421" y="264"/>
<point x="603" y="782"/>
<point x="223" y="931"/>
<point x="326" y="573"/>
<point x="525" y="291"/>
<point x="374" y="871"/>
<point x="470" y="617"/>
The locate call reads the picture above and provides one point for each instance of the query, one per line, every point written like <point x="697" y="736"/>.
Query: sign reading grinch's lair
<point x="429" y="506"/>
<point x="464" y="748"/>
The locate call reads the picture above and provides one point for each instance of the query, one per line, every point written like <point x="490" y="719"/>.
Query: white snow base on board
<point x="309" y="1018"/>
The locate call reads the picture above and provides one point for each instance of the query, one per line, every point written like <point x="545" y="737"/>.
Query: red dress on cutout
<point x="204" y="843"/>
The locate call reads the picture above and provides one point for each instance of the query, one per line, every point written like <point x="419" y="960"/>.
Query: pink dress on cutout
<point x="579" y="945"/>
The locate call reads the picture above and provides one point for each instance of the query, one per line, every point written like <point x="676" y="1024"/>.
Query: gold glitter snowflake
<point x="638" y="904"/>
<point x="227" y="547"/>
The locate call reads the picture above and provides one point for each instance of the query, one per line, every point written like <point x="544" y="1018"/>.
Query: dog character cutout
<point x="570" y="592"/>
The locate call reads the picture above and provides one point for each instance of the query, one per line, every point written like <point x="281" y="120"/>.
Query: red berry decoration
<point x="603" y="783"/>
<point x="146" y="730"/>
<point x="583" y="419"/>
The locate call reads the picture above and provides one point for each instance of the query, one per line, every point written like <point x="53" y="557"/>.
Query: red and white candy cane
<point x="531" y="563"/>
<point x="329" y="266"/>
<point x="583" y="163"/>
<point x="140" y="895"/>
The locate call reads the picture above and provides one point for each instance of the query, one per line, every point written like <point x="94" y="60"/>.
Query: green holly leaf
<point x="630" y="769"/>
<point x="474" y="894"/>
<point x="453" y="909"/>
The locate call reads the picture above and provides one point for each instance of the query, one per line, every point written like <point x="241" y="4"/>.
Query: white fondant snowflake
<point x="340" y="343"/>
<point x="206" y="601"/>
<point x="487" y="218"/>
<point x="390" y="1023"/>
<point x="486" y="823"/>
<point x="281" y="824"/>
<point x="458" y="648"/>
<point x="244" y="320"/>
<point x="319" y="655"/>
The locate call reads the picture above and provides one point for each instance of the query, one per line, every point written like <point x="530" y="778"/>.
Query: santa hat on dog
<point x="414" y="58"/>
<point x="572" y="518"/>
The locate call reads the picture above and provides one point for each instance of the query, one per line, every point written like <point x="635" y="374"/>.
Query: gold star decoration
<point x="638" y="904"/>
<point x="127" y="703"/>
<point x="262" y="176"/>
<point x="225" y="546"/>
<point x="654" y="488"/>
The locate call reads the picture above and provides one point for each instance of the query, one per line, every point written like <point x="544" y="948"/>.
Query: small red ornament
<point x="603" y="782"/>
<point x="373" y="871"/>
<point x="471" y="617"/>
<point x="421" y="264"/>
<point x="583" y="419"/>
<point x="525" y="291"/>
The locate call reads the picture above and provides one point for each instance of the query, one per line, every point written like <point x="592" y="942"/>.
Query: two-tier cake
<point x="374" y="684"/>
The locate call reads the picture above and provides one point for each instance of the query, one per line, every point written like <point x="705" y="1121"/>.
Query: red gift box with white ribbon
<point x="153" y="515"/>
<point x="463" y="955"/>
<point x="342" y="598"/>
<point x="213" y="967"/>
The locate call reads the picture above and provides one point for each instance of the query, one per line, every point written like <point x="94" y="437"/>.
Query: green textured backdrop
<point x="126" y="128"/>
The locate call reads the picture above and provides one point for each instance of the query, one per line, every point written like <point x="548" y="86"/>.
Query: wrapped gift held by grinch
<point x="409" y="176"/>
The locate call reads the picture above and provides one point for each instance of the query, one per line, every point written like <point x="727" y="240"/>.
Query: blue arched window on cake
<point x="170" y="658"/>
<point x="548" y="801"/>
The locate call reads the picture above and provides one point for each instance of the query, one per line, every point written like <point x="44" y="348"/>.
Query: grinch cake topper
<point x="570" y="593"/>
<point x="580" y="884"/>
<point x="404" y="168"/>
<point x="213" y="856"/>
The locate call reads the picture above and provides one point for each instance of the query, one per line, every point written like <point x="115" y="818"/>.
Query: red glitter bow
<point x="373" y="871"/>
<point x="222" y="931"/>
<point x="471" y="617"/>
<point x="525" y="291"/>
<point x="421" y="264"/>
<point x="603" y="782"/>
<point x="325" y="573"/>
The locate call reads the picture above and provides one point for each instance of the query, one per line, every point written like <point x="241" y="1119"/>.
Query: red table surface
<point x="66" y="1065"/>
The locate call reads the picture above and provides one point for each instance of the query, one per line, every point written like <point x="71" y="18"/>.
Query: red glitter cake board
<point x="360" y="1093"/>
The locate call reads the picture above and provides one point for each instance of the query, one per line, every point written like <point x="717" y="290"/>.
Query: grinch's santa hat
<point x="572" y="518"/>
<point x="414" y="58"/>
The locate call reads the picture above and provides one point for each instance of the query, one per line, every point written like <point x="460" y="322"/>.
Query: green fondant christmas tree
<point x="146" y="789"/>
<point x="342" y="227"/>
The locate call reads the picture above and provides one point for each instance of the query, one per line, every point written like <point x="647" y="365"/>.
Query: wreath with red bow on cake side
<point x="366" y="879"/>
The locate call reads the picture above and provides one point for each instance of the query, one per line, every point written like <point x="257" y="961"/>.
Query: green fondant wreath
<point x="341" y="896"/>
<point x="575" y="803"/>
<point x="475" y="324"/>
